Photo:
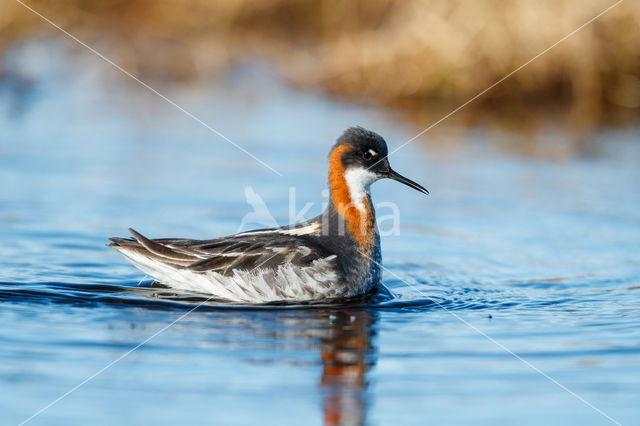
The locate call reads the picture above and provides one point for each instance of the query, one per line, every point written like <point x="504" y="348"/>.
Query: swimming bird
<point x="332" y="256"/>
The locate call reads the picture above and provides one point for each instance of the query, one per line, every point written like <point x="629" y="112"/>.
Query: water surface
<point x="535" y="255"/>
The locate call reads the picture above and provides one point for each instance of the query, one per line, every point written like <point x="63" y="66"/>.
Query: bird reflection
<point x="347" y="354"/>
<point x="344" y="338"/>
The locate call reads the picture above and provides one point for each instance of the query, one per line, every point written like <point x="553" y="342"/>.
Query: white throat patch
<point x="358" y="181"/>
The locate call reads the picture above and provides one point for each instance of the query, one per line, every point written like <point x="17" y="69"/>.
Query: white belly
<point x="287" y="283"/>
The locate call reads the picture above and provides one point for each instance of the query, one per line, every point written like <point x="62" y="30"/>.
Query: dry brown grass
<point x="386" y="52"/>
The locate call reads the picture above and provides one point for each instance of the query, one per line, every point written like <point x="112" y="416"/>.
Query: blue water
<point x="515" y="284"/>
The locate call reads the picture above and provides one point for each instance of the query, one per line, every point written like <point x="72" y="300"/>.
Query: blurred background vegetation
<point x="417" y="58"/>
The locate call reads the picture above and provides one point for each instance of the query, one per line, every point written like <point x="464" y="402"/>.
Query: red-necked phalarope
<point x="335" y="255"/>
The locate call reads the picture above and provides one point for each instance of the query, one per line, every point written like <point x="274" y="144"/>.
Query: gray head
<point x="361" y="155"/>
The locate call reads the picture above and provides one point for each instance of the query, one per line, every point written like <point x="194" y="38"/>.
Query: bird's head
<point x="358" y="159"/>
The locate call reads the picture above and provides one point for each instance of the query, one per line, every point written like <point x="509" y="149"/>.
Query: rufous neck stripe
<point x="360" y="223"/>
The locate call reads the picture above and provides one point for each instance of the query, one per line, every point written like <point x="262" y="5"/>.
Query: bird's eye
<point x="367" y="155"/>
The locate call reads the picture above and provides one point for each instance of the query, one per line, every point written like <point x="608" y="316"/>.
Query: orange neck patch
<point x="361" y="223"/>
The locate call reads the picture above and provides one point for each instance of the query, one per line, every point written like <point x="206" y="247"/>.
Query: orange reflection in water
<point x="347" y="355"/>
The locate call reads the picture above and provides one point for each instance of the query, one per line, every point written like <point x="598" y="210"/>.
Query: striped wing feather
<point x="244" y="252"/>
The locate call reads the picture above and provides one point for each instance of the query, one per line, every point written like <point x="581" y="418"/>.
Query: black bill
<point x="391" y="174"/>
